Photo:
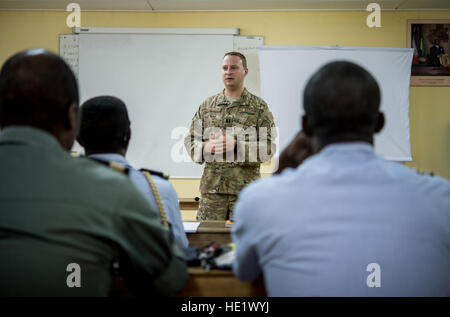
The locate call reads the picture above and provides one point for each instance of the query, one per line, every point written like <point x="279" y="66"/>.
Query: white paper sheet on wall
<point x="286" y="70"/>
<point x="190" y="227"/>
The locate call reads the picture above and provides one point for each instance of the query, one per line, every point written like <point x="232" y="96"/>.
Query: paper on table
<point x="190" y="227"/>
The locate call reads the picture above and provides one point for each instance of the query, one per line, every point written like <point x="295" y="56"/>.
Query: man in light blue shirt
<point x="345" y="222"/>
<point x="105" y="134"/>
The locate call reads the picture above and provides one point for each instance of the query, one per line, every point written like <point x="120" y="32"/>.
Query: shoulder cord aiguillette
<point x="158" y="198"/>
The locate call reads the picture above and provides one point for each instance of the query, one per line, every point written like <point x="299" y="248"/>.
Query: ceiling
<point x="223" y="5"/>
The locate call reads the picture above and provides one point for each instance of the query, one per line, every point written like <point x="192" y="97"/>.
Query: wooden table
<point x="189" y="203"/>
<point x="220" y="283"/>
<point x="215" y="283"/>
<point x="210" y="231"/>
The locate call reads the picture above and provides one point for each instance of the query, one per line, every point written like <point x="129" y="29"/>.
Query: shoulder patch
<point x="113" y="165"/>
<point x="119" y="167"/>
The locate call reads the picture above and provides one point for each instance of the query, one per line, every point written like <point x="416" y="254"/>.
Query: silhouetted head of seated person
<point x="341" y="103"/>
<point x="104" y="126"/>
<point x="38" y="89"/>
<point x="298" y="150"/>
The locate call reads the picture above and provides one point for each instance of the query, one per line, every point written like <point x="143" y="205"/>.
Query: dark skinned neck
<point x="319" y="143"/>
<point x="92" y="152"/>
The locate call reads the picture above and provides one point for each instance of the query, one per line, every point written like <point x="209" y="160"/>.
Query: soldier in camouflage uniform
<point x="232" y="133"/>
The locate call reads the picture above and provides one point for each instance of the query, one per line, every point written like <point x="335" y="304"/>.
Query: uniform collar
<point x="29" y="135"/>
<point x="360" y="147"/>
<point x="242" y="100"/>
<point x="118" y="158"/>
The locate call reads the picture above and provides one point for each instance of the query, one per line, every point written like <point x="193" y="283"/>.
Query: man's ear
<point x="380" y="122"/>
<point x="68" y="129"/>
<point x="305" y="126"/>
<point x="71" y="120"/>
<point x="127" y="139"/>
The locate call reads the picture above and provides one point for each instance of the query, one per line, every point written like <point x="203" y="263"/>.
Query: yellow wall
<point x="430" y="106"/>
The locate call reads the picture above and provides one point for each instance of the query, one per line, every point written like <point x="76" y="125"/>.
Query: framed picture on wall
<point x="430" y="40"/>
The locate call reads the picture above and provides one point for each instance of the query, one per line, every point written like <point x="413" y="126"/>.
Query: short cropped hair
<point x="342" y="98"/>
<point x="104" y="124"/>
<point x="36" y="88"/>
<point x="240" y="55"/>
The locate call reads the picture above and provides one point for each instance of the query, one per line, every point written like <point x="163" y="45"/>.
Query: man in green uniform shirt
<point x="64" y="221"/>
<point x="233" y="133"/>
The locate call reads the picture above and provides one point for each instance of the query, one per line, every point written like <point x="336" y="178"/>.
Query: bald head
<point x="38" y="89"/>
<point x="342" y="102"/>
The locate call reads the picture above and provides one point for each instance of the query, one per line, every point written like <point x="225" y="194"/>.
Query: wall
<point x="430" y="106"/>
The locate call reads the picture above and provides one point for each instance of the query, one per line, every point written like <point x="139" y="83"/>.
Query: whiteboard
<point x="286" y="70"/>
<point x="162" y="78"/>
<point x="68" y="50"/>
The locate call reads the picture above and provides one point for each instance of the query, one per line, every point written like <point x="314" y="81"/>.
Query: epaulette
<point x="113" y="165"/>
<point x="152" y="172"/>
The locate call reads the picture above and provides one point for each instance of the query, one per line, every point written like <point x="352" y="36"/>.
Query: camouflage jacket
<point x="251" y="123"/>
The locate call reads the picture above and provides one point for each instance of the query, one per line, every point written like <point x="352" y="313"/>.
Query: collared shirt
<point x="343" y="223"/>
<point x="57" y="211"/>
<point x="166" y="191"/>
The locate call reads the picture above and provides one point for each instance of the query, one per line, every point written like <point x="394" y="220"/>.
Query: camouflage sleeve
<point x="193" y="142"/>
<point x="262" y="147"/>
